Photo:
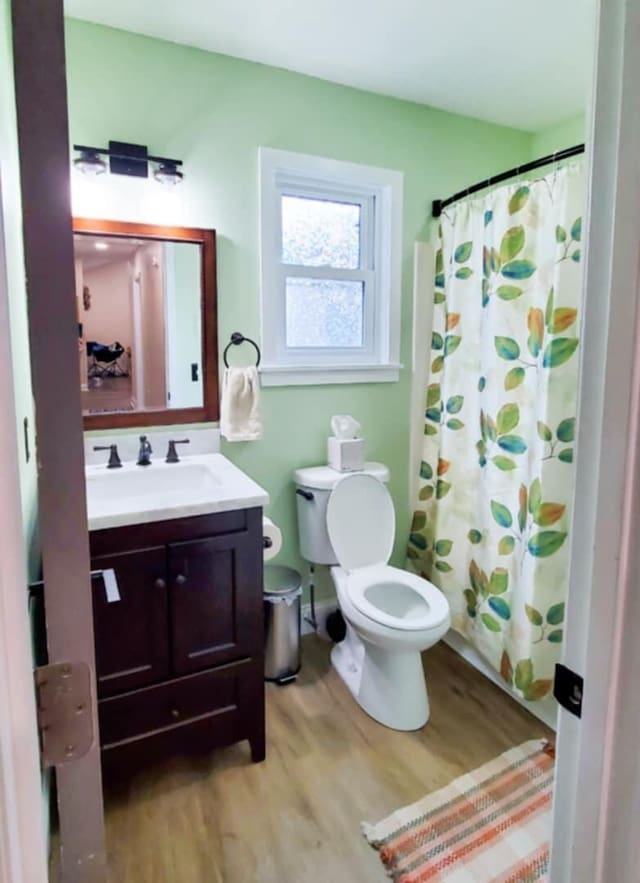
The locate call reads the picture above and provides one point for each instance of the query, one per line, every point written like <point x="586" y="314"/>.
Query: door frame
<point x="23" y="850"/>
<point x="137" y="358"/>
<point x="42" y="121"/>
<point x="597" y="799"/>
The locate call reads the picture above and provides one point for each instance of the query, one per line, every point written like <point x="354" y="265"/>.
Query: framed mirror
<point x="147" y="334"/>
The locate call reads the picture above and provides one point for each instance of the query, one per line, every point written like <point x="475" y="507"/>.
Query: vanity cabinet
<point x="179" y="651"/>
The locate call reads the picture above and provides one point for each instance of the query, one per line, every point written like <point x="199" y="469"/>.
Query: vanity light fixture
<point x="127" y="159"/>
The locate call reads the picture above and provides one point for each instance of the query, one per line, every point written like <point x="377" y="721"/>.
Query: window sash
<point x="325" y="192"/>
<point x="363" y="354"/>
<point x="320" y="192"/>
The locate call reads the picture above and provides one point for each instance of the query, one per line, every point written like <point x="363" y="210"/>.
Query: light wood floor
<point x="296" y="817"/>
<point x="113" y="394"/>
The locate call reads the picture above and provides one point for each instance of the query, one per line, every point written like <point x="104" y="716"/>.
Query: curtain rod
<point x="439" y="205"/>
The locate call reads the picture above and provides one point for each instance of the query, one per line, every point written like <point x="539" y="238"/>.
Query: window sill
<point x="316" y="375"/>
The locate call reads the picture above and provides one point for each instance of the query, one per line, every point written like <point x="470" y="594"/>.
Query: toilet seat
<point x="404" y="601"/>
<point x="361" y="527"/>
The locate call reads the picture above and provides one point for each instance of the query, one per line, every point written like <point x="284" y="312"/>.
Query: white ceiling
<point x="118" y="249"/>
<point x="523" y="63"/>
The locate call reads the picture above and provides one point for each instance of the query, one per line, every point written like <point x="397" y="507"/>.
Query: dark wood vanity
<point x="179" y="656"/>
<point x="179" y="638"/>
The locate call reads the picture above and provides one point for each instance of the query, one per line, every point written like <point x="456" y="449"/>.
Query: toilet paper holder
<point x="271" y="539"/>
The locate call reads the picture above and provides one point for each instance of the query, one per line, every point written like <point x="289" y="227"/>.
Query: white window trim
<point x="383" y="187"/>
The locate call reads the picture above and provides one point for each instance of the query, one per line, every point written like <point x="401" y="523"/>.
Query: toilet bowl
<point x="392" y="616"/>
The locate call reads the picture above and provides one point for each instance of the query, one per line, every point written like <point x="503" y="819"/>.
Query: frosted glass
<point x="320" y="233"/>
<point x="324" y="312"/>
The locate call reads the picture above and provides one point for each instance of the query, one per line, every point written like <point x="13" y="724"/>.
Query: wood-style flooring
<point x="296" y="817"/>
<point x="112" y="394"/>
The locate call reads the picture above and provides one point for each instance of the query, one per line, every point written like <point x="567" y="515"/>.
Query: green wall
<point x="565" y="134"/>
<point x="213" y="112"/>
<point x="12" y="214"/>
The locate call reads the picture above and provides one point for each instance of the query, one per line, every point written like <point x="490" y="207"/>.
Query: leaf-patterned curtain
<point x="491" y="523"/>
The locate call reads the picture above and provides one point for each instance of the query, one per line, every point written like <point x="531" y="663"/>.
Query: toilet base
<point x="389" y="685"/>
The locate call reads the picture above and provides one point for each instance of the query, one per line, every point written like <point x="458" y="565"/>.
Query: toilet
<point x="347" y="521"/>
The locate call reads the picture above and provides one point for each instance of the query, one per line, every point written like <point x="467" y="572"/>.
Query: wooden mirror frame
<point x="209" y="410"/>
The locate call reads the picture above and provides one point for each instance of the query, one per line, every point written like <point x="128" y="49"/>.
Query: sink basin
<point x="148" y="483"/>
<point x="197" y="485"/>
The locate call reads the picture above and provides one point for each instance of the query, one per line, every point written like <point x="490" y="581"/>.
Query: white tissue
<point x="344" y="426"/>
<point x="272" y="532"/>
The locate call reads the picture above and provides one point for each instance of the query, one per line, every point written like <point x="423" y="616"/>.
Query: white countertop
<point x="197" y="485"/>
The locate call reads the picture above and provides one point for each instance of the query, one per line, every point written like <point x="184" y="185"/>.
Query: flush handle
<point x="303" y="493"/>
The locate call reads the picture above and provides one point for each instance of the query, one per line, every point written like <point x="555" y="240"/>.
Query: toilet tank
<point x="313" y="489"/>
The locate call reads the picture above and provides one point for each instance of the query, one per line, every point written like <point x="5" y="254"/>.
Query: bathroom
<point x="251" y="123"/>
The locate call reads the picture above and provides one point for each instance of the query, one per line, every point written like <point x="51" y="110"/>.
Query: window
<point x="330" y="255"/>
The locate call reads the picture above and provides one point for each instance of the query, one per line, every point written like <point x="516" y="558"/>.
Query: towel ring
<point x="236" y="339"/>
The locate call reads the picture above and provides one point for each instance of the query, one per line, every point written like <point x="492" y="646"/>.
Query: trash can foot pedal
<point x="287" y="679"/>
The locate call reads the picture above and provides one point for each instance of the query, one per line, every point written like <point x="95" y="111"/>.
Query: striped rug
<point x="489" y="826"/>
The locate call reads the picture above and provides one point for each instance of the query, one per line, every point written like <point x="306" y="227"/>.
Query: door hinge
<point x="568" y="689"/>
<point x="65" y="720"/>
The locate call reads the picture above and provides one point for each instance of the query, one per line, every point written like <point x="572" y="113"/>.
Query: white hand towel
<point x="239" y="405"/>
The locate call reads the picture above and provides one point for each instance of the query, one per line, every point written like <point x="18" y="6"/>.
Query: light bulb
<point x="168" y="173"/>
<point x="90" y="163"/>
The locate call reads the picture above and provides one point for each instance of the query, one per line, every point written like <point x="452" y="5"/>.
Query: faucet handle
<point x="114" y="459"/>
<point x="172" y="454"/>
<point x="146" y="444"/>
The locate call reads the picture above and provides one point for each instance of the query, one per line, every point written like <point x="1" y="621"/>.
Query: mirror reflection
<point x="139" y="304"/>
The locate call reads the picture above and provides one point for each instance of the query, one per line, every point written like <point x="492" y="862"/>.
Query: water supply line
<point x="313" y="622"/>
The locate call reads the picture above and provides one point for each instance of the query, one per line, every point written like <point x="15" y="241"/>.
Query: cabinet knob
<point x="175" y="713"/>
<point x="180" y="579"/>
<point x="160" y="584"/>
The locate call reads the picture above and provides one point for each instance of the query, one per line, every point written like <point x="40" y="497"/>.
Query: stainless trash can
<point x="282" y="595"/>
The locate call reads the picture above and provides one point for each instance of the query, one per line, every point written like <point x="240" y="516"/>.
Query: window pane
<point x="319" y="233"/>
<point x="324" y="312"/>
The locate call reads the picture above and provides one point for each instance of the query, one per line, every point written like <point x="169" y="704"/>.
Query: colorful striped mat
<point x="492" y="825"/>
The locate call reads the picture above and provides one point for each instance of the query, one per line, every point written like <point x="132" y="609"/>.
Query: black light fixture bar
<point x="104" y="151"/>
<point x="129" y="159"/>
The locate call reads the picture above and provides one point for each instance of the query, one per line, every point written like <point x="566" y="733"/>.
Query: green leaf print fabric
<point x="491" y="524"/>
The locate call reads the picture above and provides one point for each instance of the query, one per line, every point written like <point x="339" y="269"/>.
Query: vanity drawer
<point x="171" y="705"/>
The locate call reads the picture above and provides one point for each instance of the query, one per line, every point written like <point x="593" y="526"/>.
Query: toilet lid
<point x="361" y="522"/>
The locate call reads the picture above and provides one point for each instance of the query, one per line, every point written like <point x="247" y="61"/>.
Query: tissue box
<point x="346" y="454"/>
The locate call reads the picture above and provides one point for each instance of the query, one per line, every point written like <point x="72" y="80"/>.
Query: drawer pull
<point x="160" y="584"/>
<point x="175" y="713"/>
<point x="180" y="580"/>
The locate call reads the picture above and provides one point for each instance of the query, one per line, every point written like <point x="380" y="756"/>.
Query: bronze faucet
<point x="144" y="454"/>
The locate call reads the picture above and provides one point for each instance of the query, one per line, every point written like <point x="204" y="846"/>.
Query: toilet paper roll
<point x="272" y="539"/>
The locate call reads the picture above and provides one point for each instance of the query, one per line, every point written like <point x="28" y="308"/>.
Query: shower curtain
<point x="491" y="524"/>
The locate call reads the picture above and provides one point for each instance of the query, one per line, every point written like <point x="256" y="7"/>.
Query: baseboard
<point x="323" y="608"/>
<point x="546" y="710"/>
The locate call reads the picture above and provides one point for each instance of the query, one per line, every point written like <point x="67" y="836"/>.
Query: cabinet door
<point x="131" y="634"/>
<point x="215" y="600"/>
